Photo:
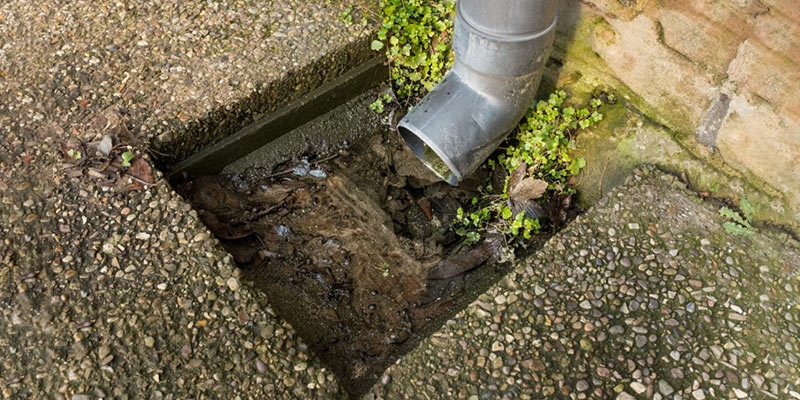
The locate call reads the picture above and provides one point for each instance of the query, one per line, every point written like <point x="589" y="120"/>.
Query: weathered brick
<point x="757" y="139"/>
<point x="625" y="10"/>
<point x="677" y="87"/>
<point x="779" y="34"/>
<point x="679" y="56"/>
<point x="770" y="76"/>
<point x="789" y="8"/>
<point x="699" y="38"/>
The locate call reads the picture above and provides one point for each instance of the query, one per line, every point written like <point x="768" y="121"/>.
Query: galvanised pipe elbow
<point x="501" y="47"/>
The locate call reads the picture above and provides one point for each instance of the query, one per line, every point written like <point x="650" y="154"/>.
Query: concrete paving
<point x="123" y="294"/>
<point x="645" y="296"/>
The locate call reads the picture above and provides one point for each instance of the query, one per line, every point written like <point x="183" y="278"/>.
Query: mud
<point x="354" y="251"/>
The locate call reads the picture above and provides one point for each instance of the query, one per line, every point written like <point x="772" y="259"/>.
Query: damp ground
<point x="352" y="249"/>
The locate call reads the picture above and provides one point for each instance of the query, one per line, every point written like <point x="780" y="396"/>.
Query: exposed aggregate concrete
<point x="644" y="296"/>
<point x="124" y="294"/>
<point x="108" y="294"/>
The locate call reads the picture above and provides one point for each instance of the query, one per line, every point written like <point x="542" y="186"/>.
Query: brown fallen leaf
<point x="499" y="179"/>
<point x="558" y="208"/>
<point x="216" y="194"/>
<point x="142" y="175"/>
<point x="94" y="173"/>
<point x="528" y="189"/>
<point x="522" y="193"/>
<point x="517" y="176"/>
<point x="425" y="205"/>
<point x="459" y="264"/>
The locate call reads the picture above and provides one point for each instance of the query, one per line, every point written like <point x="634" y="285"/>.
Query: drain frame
<point x="213" y="159"/>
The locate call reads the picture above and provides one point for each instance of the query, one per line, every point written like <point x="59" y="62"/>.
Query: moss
<point x="612" y="149"/>
<point x="627" y="138"/>
<point x="616" y="117"/>
<point x="576" y="56"/>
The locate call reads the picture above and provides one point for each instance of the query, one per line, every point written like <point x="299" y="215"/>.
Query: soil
<point x="353" y="251"/>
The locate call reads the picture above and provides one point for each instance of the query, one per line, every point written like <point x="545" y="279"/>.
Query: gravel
<point x="124" y="294"/>
<point x="679" y="319"/>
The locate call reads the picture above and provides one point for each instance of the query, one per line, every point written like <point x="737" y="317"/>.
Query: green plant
<point x="738" y="225"/>
<point x="126" y="159"/>
<point x="540" y="158"/>
<point x="379" y="104"/>
<point x="346" y="16"/>
<point x="545" y="139"/>
<point x="415" y="35"/>
<point x="74" y="154"/>
<point x="493" y="212"/>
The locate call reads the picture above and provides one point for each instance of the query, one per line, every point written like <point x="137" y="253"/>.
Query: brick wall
<point x="725" y="74"/>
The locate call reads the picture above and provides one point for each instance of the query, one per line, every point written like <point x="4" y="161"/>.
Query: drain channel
<point x="342" y="228"/>
<point x="322" y="100"/>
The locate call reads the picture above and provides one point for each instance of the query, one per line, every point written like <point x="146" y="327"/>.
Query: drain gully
<point x="354" y="251"/>
<point x="213" y="159"/>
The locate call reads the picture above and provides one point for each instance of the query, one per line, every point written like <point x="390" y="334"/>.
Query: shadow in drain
<point x="353" y="250"/>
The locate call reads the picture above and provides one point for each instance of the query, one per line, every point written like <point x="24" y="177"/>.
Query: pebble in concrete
<point x="114" y="294"/>
<point x="662" y="322"/>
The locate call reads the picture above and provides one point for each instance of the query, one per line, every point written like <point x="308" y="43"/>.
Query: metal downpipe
<point x="501" y="47"/>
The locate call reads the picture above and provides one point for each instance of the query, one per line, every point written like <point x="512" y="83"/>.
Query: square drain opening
<point x="352" y="249"/>
<point x="341" y="227"/>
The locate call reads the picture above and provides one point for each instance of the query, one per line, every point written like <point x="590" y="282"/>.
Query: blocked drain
<point x="350" y="243"/>
<point x="354" y="252"/>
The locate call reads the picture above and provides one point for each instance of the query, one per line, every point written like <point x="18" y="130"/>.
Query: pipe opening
<point x="428" y="156"/>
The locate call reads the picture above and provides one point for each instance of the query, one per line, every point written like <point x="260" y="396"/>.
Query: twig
<point x="331" y="157"/>
<point x="152" y="150"/>
<point x="143" y="182"/>
<point x="277" y="174"/>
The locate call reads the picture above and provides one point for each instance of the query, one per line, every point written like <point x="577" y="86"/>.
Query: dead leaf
<point x="523" y="191"/>
<point x="517" y="176"/>
<point x="94" y="173"/>
<point x="528" y="189"/>
<point x="499" y="179"/>
<point x="531" y="208"/>
<point x="558" y="207"/>
<point x="75" y="172"/>
<point x="425" y="205"/>
<point x="142" y="173"/>
<point x="455" y="265"/>
<point x="104" y="145"/>
<point x="214" y="193"/>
